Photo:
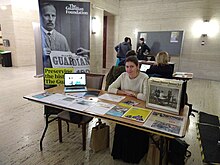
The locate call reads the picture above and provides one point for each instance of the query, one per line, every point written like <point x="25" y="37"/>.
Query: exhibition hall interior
<point x="43" y="41"/>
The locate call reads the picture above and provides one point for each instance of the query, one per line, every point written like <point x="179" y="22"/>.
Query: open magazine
<point x="164" y="94"/>
<point x="117" y="111"/>
<point x="166" y="123"/>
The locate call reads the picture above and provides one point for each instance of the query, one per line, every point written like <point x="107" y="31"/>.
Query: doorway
<point x="108" y="40"/>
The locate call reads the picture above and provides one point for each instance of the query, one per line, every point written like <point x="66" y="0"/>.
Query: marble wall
<point x="126" y="18"/>
<point x="162" y="15"/>
<point x="16" y="21"/>
<point x="99" y="9"/>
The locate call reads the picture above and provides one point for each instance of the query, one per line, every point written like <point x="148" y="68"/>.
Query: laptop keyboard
<point x="77" y="87"/>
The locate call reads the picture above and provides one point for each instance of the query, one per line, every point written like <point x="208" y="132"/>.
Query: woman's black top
<point x="164" y="71"/>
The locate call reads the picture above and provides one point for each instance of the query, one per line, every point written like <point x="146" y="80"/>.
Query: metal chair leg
<point x="84" y="136"/>
<point x="60" y="130"/>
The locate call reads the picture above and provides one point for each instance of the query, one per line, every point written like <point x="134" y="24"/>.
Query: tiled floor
<point x="22" y="123"/>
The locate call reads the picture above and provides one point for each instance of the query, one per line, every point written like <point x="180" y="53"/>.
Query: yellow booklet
<point x="137" y="114"/>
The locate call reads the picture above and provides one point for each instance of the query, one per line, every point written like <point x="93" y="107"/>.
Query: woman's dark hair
<point x="133" y="59"/>
<point x="126" y="39"/>
<point x="142" y="39"/>
<point x="131" y="53"/>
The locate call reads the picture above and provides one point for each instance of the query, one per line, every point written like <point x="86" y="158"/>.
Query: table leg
<point x="45" y="129"/>
<point x="161" y="150"/>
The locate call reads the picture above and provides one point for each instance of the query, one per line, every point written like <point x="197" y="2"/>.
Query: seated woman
<point x="116" y="71"/>
<point x="161" y="68"/>
<point x="130" y="145"/>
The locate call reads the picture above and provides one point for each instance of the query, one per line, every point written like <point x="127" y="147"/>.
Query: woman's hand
<point x="130" y="93"/>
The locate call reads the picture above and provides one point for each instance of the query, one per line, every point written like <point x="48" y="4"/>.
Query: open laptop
<point x="144" y="67"/>
<point x="75" y="82"/>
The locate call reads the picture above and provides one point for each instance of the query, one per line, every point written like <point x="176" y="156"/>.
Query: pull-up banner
<point x="65" y="33"/>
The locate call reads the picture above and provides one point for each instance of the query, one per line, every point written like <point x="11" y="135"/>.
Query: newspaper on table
<point x="164" y="94"/>
<point x="167" y="123"/>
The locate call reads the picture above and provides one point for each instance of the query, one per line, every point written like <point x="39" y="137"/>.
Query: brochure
<point x="166" y="123"/>
<point x="137" y="114"/>
<point x="111" y="97"/>
<point x="117" y="111"/>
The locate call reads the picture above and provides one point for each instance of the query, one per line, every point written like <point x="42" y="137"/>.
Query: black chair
<point x="94" y="81"/>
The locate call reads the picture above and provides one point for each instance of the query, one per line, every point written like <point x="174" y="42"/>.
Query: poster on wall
<point x="174" y="37"/>
<point x="65" y="34"/>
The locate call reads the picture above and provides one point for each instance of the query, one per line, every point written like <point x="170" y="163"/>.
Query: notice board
<point x="169" y="41"/>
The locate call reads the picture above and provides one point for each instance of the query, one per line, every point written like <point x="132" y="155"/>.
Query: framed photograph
<point x="164" y="94"/>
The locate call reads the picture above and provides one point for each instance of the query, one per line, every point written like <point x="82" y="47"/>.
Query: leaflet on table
<point x="76" y="94"/>
<point x="128" y="103"/>
<point x="137" y="114"/>
<point x="117" y="111"/>
<point x="81" y="104"/>
<point x="182" y="74"/>
<point x="111" y="97"/>
<point x="84" y="94"/>
<point x="47" y="97"/>
<point x="73" y="102"/>
<point x="100" y="108"/>
<point x="166" y="123"/>
<point x="65" y="102"/>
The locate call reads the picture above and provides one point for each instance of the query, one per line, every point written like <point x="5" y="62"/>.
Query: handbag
<point x="153" y="154"/>
<point x="178" y="152"/>
<point x="99" y="137"/>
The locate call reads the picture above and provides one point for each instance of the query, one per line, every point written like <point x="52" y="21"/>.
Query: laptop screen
<point x="144" y="67"/>
<point x="74" y="79"/>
